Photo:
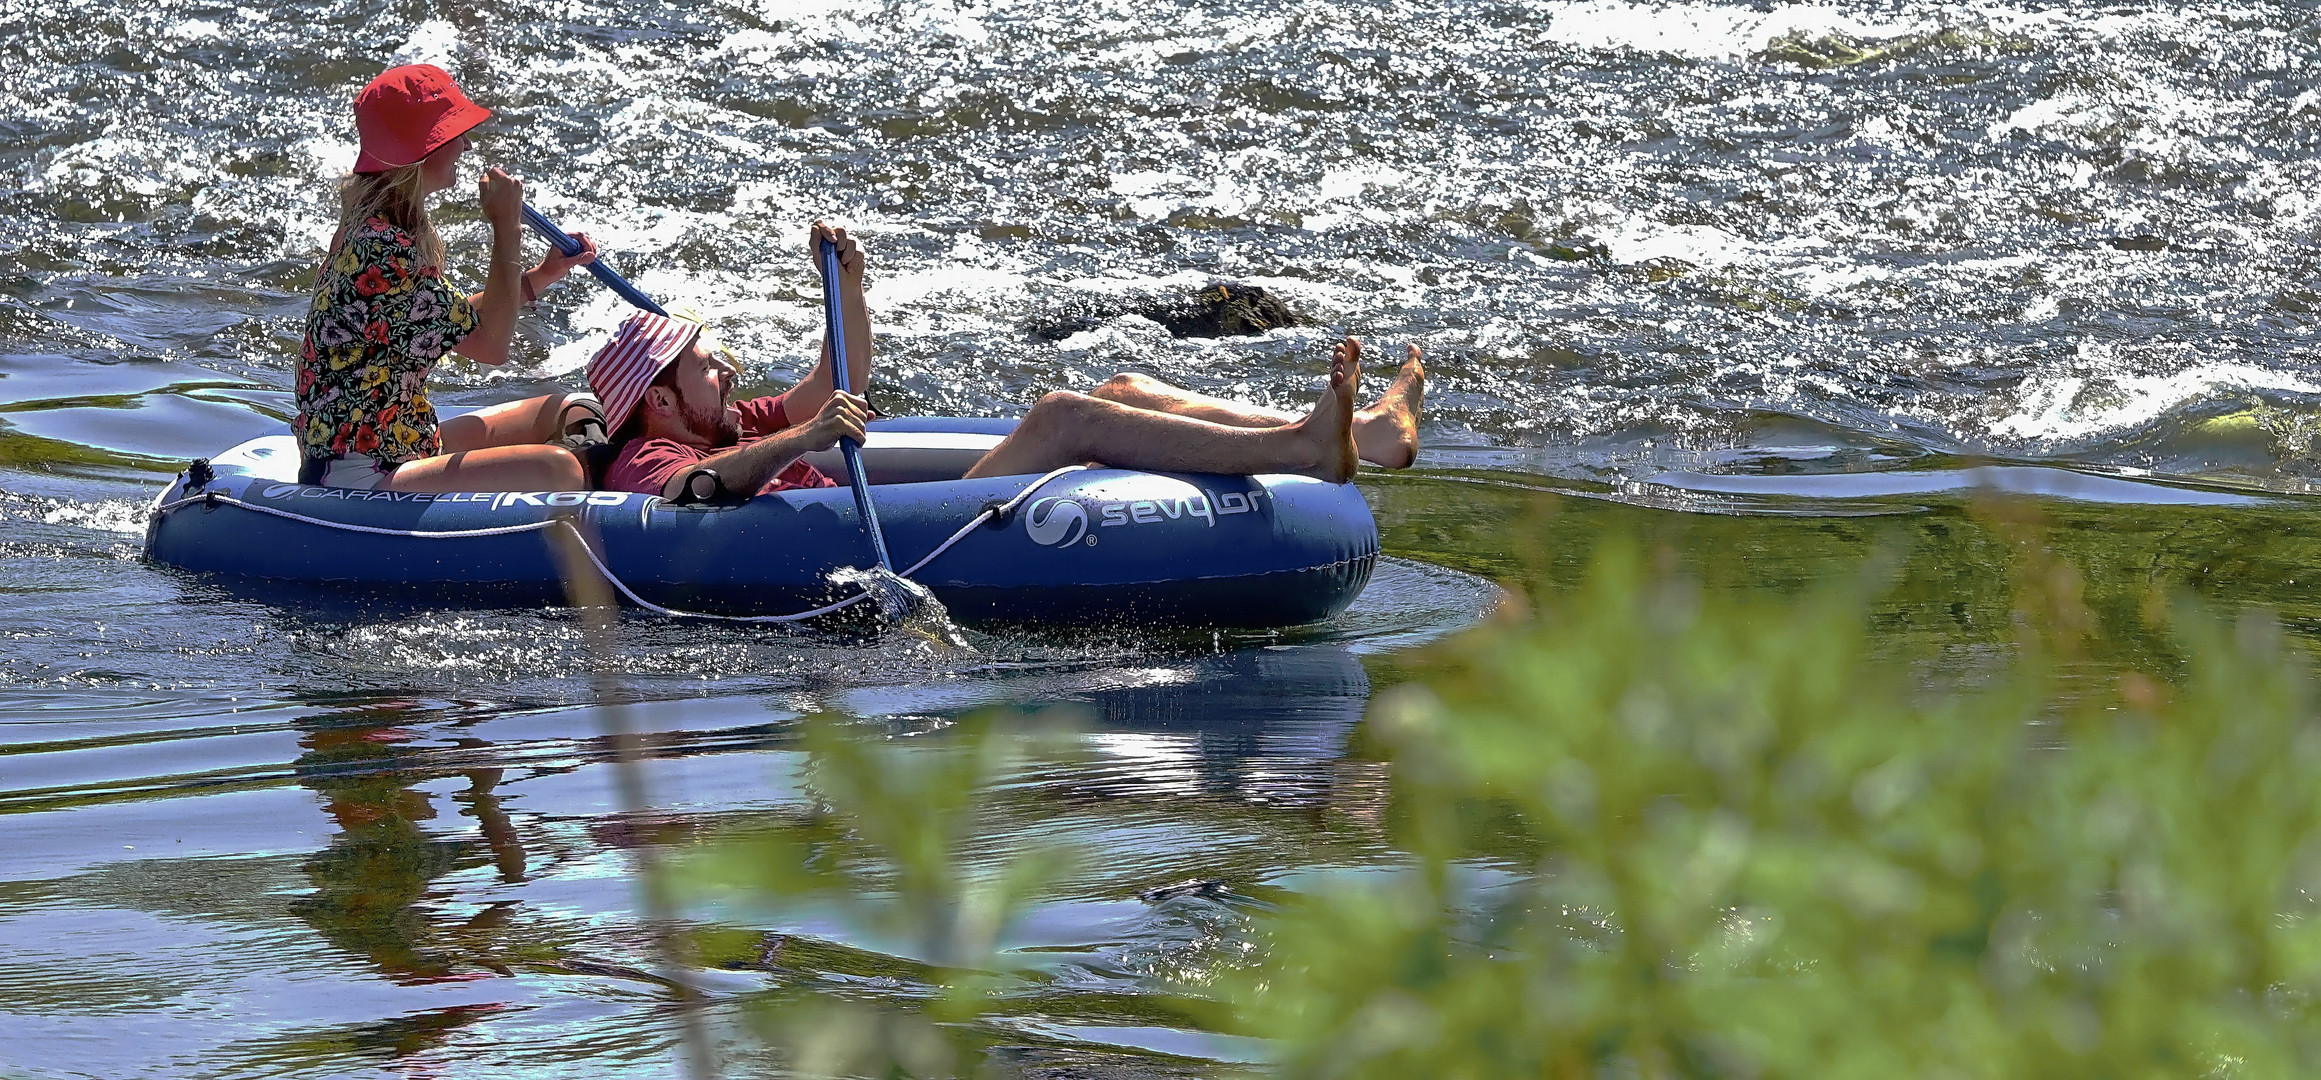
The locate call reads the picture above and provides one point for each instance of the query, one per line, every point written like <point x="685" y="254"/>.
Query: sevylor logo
<point x="1055" y="521"/>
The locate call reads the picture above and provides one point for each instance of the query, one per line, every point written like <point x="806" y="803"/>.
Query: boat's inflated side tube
<point x="1097" y="546"/>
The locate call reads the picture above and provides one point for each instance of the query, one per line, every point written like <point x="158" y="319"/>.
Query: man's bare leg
<point x="1155" y="395"/>
<point x="1065" y="428"/>
<point x="1385" y="433"/>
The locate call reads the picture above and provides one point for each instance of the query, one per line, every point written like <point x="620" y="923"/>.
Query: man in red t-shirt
<point x="659" y="465"/>
<point x="668" y="399"/>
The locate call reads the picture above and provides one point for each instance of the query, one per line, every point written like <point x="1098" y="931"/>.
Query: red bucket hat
<point x="620" y="372"/>
<point x="408" y="113"/>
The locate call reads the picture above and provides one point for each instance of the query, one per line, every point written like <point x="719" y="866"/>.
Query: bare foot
<point x="1331" y="424"/>
<point x="1386" y="433"/>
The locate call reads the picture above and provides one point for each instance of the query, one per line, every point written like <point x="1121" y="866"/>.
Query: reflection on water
<point x="371" y="892"/>
<point x="434" y="850"/>
<point x="1261" y="726"/>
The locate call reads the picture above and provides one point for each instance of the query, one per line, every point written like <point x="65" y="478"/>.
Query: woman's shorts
<point x="361" y="473"/>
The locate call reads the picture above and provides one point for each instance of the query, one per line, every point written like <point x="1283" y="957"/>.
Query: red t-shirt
<point x="645" y="465"/>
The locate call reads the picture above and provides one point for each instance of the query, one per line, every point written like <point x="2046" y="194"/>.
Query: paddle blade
<point x="904" y="603"/>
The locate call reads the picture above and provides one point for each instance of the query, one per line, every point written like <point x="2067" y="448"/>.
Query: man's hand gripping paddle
<point x="569" y="246"/>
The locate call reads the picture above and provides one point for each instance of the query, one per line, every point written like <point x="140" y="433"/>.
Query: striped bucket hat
<point x="620" y="372"/>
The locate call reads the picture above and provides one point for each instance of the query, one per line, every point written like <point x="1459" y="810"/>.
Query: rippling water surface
<point x="1800" y="261"/>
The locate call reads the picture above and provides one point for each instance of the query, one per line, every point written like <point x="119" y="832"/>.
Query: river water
<point x="1798" y="265"/>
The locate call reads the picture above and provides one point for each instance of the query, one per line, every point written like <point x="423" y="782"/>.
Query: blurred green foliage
<point x="1668" y="827"/>
<point x="885" y="852"/>
<point x="1667" y="831"/>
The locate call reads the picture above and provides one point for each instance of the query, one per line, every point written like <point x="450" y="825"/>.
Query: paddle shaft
<point x="834" y="332"/>
<point x="569" y="246"/>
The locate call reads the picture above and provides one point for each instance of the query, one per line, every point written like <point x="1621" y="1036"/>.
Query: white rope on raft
<point x="211" y="498"/>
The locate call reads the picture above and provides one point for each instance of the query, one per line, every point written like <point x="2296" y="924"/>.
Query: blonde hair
<point x="400" y="196"/>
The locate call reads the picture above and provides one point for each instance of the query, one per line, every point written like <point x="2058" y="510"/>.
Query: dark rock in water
<point x="2138" y="242"/>
<point x="1225" y="311"/>
<point x="1221" y="310"/>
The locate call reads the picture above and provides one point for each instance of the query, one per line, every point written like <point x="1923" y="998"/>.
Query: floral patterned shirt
<point x="378" y="324"/>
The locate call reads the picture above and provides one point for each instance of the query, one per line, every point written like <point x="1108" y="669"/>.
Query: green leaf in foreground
<point x="891" y="849"/>
<point x="1669" y="833"/>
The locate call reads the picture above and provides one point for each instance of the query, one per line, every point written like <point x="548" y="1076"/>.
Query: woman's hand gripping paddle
<point x="569" y="246"/>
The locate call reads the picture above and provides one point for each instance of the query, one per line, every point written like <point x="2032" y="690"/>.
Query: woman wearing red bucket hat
<point x="383" y="314"/>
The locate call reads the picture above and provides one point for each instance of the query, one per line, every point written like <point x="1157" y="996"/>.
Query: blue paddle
<point x="569" y="246"/>
<point x="834" y="331"/>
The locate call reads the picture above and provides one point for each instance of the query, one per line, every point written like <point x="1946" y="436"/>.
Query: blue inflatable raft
<point x="1085" y="546"/>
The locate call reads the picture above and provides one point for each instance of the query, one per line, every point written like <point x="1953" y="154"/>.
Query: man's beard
<point x="721" y="427"/>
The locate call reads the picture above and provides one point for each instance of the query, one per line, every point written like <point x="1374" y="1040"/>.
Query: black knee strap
<point x="700" y="486"/>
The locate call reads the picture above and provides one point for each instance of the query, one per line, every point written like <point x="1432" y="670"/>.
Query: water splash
<point x="905" y="605"/>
